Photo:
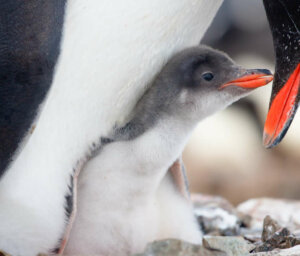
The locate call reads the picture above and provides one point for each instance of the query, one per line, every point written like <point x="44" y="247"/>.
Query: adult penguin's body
<point x="284" y="19"/>
<point x="30" y="36"/>
<point x="109" y="52"/>
<point x="126" y="197"/>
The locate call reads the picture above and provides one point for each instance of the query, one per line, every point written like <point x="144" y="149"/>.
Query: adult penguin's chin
<point x="284" y="20"/>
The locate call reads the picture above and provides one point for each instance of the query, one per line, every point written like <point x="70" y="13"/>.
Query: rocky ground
<point x="258" y="227"/>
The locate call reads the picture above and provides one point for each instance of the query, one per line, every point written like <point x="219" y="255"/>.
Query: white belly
<point x="124" y="202"/>
<point x="110" y="51"/>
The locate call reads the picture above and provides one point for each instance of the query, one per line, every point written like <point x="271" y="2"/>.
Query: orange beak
<point x="251" y="79"/>
<point x="284" y="21"/>
<point x="282" y="110"/>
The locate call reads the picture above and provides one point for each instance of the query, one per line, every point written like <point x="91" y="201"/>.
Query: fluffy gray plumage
<point x="182" y="72"/>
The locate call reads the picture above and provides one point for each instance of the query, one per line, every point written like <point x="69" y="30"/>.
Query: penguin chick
<point x="126" y="197"/>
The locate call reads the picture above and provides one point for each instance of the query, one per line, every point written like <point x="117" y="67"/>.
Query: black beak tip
<point x="274" y="143"/>
<point x="279" y="138"/>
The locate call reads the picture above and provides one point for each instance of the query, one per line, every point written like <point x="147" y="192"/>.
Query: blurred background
<point x="225" y="155"/>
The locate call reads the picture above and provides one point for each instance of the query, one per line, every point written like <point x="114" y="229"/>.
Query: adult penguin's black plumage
<point x="30" y="35"/>
<point x="284" y="20"/>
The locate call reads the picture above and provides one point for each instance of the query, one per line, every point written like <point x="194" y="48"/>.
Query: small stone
<point x="270" y="226"/>
<point x="274" y="236"/>
<point x="231" y="245"/>
<point x="294" y="251"/>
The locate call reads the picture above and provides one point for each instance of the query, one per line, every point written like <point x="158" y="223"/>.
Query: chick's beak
<point x="251" y="79"/>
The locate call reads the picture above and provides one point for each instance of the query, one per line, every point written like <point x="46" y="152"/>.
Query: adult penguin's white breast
<point x="109" y="53"/>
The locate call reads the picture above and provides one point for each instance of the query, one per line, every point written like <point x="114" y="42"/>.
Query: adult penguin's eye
<point x="208" y="76"/>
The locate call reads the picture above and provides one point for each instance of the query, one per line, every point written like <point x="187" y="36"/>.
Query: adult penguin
<point x="98" y="58"/>
<point x="284" y="20"/>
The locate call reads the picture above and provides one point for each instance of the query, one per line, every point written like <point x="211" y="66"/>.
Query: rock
<point x="294" y="251"/>
<point x="270" y="226"/>
<point x="233" y="246"/>
<point x="274" y="236"/>
<point x="252" y="235"/>
<point x="217" y="216"/>
<point x="173" y="247"/>
<point x="285" y="212"/>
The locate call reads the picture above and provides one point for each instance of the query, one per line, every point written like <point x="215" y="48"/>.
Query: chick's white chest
<point x="126" y="197"/>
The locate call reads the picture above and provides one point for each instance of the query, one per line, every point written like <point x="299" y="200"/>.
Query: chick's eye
<point x="208" y="76"/>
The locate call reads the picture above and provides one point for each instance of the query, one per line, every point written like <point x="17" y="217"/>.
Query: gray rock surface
<point x="231" y="245"/>
<point x="173" y="247"/>
<point x="258" y="233"/>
